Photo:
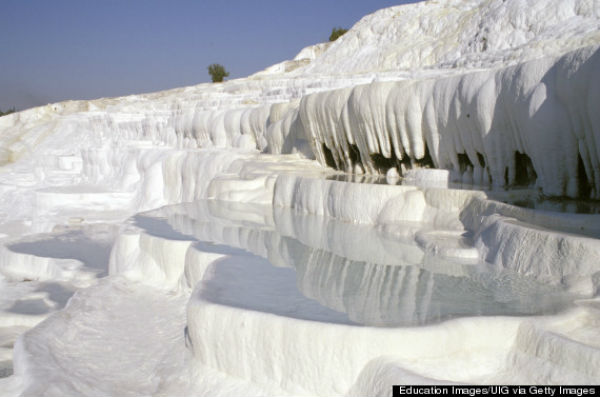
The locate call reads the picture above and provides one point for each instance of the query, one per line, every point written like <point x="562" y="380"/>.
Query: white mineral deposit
<point x="412" y="203"/>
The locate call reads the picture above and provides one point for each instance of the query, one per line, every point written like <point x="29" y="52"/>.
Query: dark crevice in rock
<point x="382" y="163"/>
<point x="464" y="162"/>
<point x="481" y="160"/>
<point x="354" y="154"/>
<point x="524" y="172"/>
<point x="329" y="160"/>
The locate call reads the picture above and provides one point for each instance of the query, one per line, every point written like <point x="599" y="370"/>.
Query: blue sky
<point x="83" y="49"/>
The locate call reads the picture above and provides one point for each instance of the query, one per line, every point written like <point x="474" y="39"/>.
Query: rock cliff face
<point x="530" y="123"/>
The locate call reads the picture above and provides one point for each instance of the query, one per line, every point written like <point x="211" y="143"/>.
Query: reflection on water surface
<point x="312" y="268"/>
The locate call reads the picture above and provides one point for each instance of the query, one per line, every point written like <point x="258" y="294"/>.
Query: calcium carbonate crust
<point x="491" y="93"/>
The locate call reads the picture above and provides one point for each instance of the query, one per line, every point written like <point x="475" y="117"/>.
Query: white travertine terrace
<point x="194" y="241"/>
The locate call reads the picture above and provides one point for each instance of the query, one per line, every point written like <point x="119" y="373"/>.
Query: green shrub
<point x="217" y="72"/>
<point x="9" y="111"/>
<point x="336" y="33"/>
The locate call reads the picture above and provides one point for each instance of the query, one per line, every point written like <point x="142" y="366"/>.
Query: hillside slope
<point x="240" y="238"/>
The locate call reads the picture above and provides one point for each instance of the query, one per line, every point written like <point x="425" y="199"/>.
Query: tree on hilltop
<point x="9" y="111"/>
<point x="336" y="33"/>
<point x="217" y="72"/>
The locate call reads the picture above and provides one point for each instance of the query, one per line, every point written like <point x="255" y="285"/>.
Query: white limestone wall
<point x="543" y="108"/>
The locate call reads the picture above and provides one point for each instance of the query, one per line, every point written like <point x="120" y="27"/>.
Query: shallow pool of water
<point x="312" y="268"/>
